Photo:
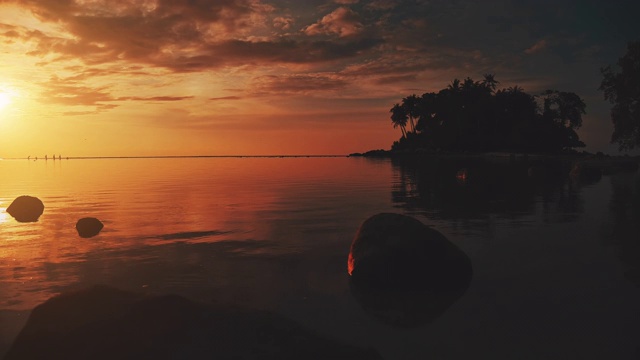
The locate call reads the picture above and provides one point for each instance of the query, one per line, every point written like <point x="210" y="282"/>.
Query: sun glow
<point x="7" y="95"/>
<point x="5" y="99"/>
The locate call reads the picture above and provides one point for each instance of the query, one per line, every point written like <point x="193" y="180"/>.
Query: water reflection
<point x="468" y="188"/>
<point x="625" y="226"/>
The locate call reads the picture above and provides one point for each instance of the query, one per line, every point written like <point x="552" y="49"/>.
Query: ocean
<point x="556" y="260"/>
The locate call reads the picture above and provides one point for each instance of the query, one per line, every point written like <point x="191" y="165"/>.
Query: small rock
<point x="26" y="208"/>
<point x="89" y="227"/>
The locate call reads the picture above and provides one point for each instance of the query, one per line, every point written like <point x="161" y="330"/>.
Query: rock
<point x="106" y="323"/>
<point x="26" y="208"/>
<point x="89" y="227"/>
<point x="405" y="273"/>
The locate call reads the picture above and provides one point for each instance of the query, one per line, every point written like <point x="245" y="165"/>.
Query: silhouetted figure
<point x="28" y="157"/>
<point x="26" y="208"/>
<point x="105" y="323"/>
<point x="405" y="273"/>
<point x="45" y="157"/>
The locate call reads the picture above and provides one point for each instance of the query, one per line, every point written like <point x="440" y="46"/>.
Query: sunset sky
<point x="226" y="77"/>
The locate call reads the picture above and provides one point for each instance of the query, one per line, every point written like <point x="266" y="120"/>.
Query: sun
<point x="8" y="95"/>
<point x="5" y="99"/>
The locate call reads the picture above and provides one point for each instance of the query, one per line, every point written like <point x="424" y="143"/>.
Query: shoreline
<point x="606" y="164"/>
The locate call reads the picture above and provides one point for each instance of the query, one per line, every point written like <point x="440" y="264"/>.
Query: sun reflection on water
<point x="4" y="216"/>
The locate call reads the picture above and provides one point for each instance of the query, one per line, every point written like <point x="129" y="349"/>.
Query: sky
<point x="263" y="77"/>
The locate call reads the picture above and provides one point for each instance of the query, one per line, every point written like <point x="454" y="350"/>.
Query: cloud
<point x="225" y="98"/>
<point x="283" y="23"/>
<point x="183" y="35"/>
<point x="385" y="80"/>
<point x="537" y="47"/>
<point x="382" y="4"/>
<point x="80" y="113"/>
<point x="157" y="98"/>
<point x="297" y="84"/>
<point x="71" y="91"/>
<point x="342" y="22"/>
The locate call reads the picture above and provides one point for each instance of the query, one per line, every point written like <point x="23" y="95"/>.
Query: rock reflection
<point x="405" y="273"/>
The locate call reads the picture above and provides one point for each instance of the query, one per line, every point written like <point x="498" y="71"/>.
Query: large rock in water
<point x="105" y="323"/>
<point x="405" y="273"/>
<point x="88" y="227"/>
<point x="26" y="208"/>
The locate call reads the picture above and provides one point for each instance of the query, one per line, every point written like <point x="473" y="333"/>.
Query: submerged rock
<point x="106" y="323"/>
<point x="89" y="227"/>
<point x="405" y="273"/>
<point x="26" y="208"/>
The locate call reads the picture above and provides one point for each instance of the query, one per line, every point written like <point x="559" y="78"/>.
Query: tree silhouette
<point x="473" y="116"/>
<point x="411" y="108"/>
<point x="623" y="91"/>
<point x="490" y="82"/>
<point x="399" y="118"/>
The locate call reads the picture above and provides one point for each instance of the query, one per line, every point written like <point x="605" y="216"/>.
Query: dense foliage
<point x="623" y="91"/>
<point x="473" y="116"/>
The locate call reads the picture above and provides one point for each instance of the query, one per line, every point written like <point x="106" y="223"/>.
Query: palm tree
<point x="455" y="85"/>
<point x="490" y="82"/>
<point x="399" y="118"/>
<point x="411" y="107"/>
<point x="515" y="89"/>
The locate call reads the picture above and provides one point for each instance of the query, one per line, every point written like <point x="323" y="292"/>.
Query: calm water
<point x="556" y="262"/>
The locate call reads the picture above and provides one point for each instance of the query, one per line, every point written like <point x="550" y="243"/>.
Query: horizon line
<point x="173" y="157"/>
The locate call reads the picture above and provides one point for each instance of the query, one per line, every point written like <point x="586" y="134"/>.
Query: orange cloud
<point x="342" y="22"/>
